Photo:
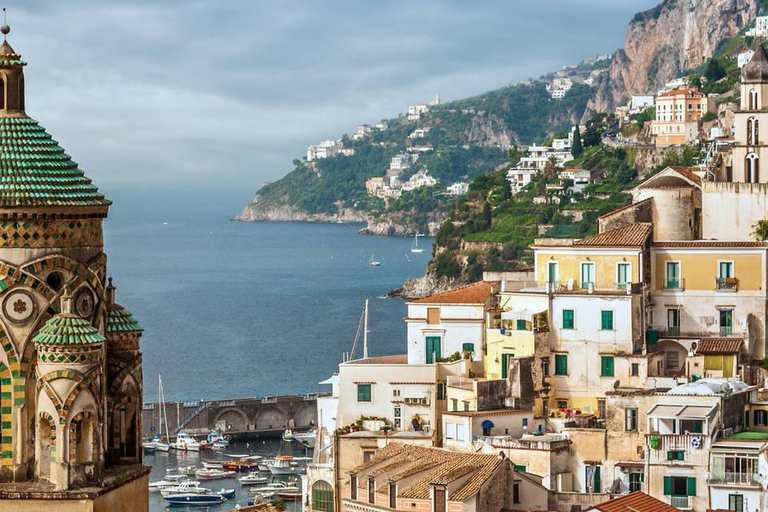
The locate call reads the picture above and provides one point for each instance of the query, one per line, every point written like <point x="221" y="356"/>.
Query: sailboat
<point x="160" y="444"/>
<point x="415" y="247"/>
<point x="374" y="262"/>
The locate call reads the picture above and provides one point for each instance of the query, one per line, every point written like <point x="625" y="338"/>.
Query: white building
<point x="325" y="149"/>
<point x="559" y="87"/>
<point x="400" y="162"/>
<point x="449" y="322"/>
<point x="458" y="189"/>
<point x="761" y="27"/>
<point x="364" y="130"/>
<point x="418" y="180"/>
<point x="419" y="133"/>
<point x="382" y="126"/>
<point x="416" y="111"/>
<point x="738" y="475"/>
<point x="640" y="102"/>
<point x="744" y="58"/>
<point x="537" y="159"/>
<point x="465" y="430"/>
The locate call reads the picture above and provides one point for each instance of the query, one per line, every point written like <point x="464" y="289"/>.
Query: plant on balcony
<point x="450" y="359"/>
<point x="468" y="354"/>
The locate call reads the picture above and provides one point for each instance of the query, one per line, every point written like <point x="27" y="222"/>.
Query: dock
<point x="240" y="418"/>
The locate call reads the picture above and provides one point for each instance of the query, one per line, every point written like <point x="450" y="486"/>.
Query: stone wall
<point x="746" y="203"/>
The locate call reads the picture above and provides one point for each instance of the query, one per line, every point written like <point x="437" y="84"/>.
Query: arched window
<point x="753" y="135"/>
<point x="322" y="496"/>
<point x="753" y="100"/>
<point x="2" y="93"/>
<point x="21" y="93"/>
<point x="753" y="169"/>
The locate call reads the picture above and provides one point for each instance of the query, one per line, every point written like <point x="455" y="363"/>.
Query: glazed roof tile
<point x="475" y="293"/>
<point x="706" y="244"/>
<point x="719" y="346"/>
<point x="66" y="329"/>
<point x="35" y="170"/>
<point x="634" y="502"/>
<point x="634" y="235"/>
<point x="120" y="319"/>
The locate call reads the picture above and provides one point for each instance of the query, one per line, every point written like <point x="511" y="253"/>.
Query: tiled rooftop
<point x="719" y="346"/>
<point x="475" y="293"/>
<point x="634" y="502"/>
<point x="634" y="235"/>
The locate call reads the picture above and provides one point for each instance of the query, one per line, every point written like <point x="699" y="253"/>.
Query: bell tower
<point x="750" y="150"/>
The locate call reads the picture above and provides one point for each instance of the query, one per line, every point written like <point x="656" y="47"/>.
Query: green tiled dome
<point x="68" y="330"/>
<point x="35" y="171"/>
<point x="120" y="319"/>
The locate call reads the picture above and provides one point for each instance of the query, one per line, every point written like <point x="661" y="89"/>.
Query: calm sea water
<point x="243" y="309"/>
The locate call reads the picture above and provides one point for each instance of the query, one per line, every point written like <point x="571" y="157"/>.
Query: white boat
<point x="162" y="484"/>
<point x="149" y="446"/>
<point x="415" y="247"/>
<point x="253" y="478"/>
<point x="263" y="497"/>
<point x="306" y="438"/>
<point x="161" y="443"/>
<point x="285" y="465"/>
<point x="213" y="464"/>
<point x="374" y="262"/>
<point x="217" y="439"/>
<point x="274" y="487"/>
<point x="185" y="487"/>
<point x="213" y="474"/>
<point x="186" y="443"/>
<point x="288" y="435"/>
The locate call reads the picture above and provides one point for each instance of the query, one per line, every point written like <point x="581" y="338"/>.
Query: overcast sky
<point x="224" y="94"/>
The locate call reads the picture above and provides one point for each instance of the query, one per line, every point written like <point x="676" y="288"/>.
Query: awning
<point x="333" y="379"/>
<point x="487" y="424"/>
<point x="664" y="411"/>
<point x="516" y="314"/>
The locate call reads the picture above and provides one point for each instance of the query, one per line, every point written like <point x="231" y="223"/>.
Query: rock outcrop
<point x="662" y="42"/>
<point x="256" y="212"/>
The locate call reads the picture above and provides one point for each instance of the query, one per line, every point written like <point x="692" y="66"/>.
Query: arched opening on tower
<point x="55" y="280"/>
<point x="127" y="422"/>
<point x="753" y="168"/>
<point x="45" y="440"/>
<point x="84" y="441"/>
<point x="2" y="93"/>
<point x="753" y="100"/>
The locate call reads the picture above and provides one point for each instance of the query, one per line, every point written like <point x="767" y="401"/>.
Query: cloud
<point x="223" y="95"/>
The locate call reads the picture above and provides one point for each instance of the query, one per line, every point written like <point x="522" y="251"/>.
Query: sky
<point x="202" y="99"/>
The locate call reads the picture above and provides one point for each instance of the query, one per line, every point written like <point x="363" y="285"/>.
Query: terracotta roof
<point x="634" y="502"/>
<point x="630" y="464"/>
<point x="634" y="235"/>
<point x="688" y="172"/>
<point x="635" y="392"/>
<point x="496" y="412"/>
<point x="625" y="207"/>
<point x="687" y="91"/>
<point x="719" y="346"/>
<point x="707" y="244"/>
<point x="475" y="293"/>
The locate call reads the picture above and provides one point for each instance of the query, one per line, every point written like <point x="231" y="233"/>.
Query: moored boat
<point x="185" y="487"/>
<point x="227" y="493"/>
<point x="289" y="495"/>
<point x="285" y="465"/>
<point x="213" y="464"/>
<point x="288" y="435"/>
<point x="186" y="443"/>
<point x="253" y="478"/>
<point x="213" y="474"/>
<point x="195" y="499"/>
<point x="162" y="484"/>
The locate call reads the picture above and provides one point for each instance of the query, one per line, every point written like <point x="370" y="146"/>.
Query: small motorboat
<point x="213" y="464"/>
<point x="162" y="447"/>
<point x="195" y="499"/>
<point x="288" y="435"/>
<point x="289" y="495"/>
<point x="217" y="439"/>
<point x="186" y="470"/>
<point x="213" y="474"/>
<point x="162" y="484"/>
<point x="149" y="446"/>
<point x="275" y="487"/>
<point x="306" y="438"/>
<point x="185" y="487"/>
<point x="285" y="465"/>
<point x="373" y="262"/>
<point x="253" y="478"/>
<point x="240" y="465"/>
<point x="237" y="455"/>
<point x="227" y="493"/>
<point x="186" y="443"/>
<point x="263" y="497"/>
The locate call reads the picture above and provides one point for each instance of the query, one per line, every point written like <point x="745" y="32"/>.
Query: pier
<point x="241" y="418"/>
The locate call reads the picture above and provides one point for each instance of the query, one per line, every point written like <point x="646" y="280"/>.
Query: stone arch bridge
<point x="240" y="417"/>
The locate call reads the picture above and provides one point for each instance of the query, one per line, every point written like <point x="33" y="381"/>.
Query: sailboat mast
<point x="365" y="332"/>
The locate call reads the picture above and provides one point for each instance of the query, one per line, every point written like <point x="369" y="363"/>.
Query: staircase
<point x="194" y="414"/>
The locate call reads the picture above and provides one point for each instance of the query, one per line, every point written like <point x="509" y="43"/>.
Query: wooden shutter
<point x="667" y="485"/>
<point x="433" y="315"/>
<point x="691" y="486"/>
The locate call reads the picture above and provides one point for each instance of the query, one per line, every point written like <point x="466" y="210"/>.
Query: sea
<point x="235" y="310"/>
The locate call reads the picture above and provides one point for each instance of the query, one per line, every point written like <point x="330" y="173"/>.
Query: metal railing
<point x="729" y="477"/>
<point x="726" y="283"/>
<point x="674" y="284"/>
<point x="726" y="330"/>
<point x="679" y="501"/>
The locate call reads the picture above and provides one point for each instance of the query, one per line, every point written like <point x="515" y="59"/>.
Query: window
<point x="395" y="392"/>
<point x="562" y="404"/>
<point x="622" y="275"/>
<point x="353" y="487"/>
<point x="545" y="366"/>
<point x="753" y="100"/>
<point x="726" y="322"/>
<point x="679" y="486"/>
<point x="371" y="490"/>
<point x="760" y="417"/>
<point x="606" y="320"/>
<point x="439" y="500"/>
<point x="725" y="269"/>
<point x="630" y="420"/>
<point x="675" y="455"/>
<point x="587" y="274"/>
<point x="673" y="275"/>
<point x="635" y="370"/>
<point x="466" y="405"/>
<point x="398" y="417"/>
<point x="593" y="479"/>
<point x="567" y="319"/>
<point x="552" y="274"/>
<point x="753" y="168"/>
<point x="601" y="408"/>
<point x="392" y="495"/>
<point x="441" y="390"/>
<point x="368" y="455"/>
<point x="519" y="467"/>
<point x="736" y="502"/>
<point x="433" y="315"/>
<point x="606" y="366"/>
<point x="433" y="348"/>
<point x="364" y="393"/>
<point x="516" y="493"/>
<point x="450" y="431"/>
<point x="673" y="322"/>
<point x="752" y="131"/>
<point x="691" y="426"/>
<point x="455" y="403"/>
<point x="468" y="347"/>
<point x="635" y="482"/>
<point x="525" y="423"/>
<point x="561" y="364"/>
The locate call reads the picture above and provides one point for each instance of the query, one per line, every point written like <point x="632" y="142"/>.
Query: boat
<point x="217" y="438"/>
<point x="213" y="474"/>
<point x="288" y="435"/>
<point x="149" y="446"/>
<point x="306" y="438"/>
<point x="285" y="465"/>
<point x="263" y="497"/>
<point x="213" y="464"/>
<point x="161" y="443"/>
<point x="185" y="487"/>
<point x="415" y="247"/>
<point x="195" y="499"/>
<point x="240" y="465"/>
<point x="289" y="495"/>
<point x="162" y="484"/>
<point x="227" y="493"/>
<point x="373" y="262"/>
<point x="186" y="443"/>
<point x="275" y="487"/>
<point x="253" y="478"/>
<point x="183" y="470"/>
<point x="237" y="455"/>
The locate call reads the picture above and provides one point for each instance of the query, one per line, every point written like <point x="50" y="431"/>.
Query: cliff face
<point x="256" y="212"/>
<point x="674" y="36"/>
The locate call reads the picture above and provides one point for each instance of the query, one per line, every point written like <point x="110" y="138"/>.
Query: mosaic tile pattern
<point x="73" y="433"/>
<point x="6" y="410"/>
<point x="44" y="416"/>
<point x="50" y="233"/>
<point x="35" y="171"/>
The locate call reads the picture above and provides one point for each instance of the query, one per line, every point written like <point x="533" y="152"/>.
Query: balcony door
<point x="433" y="348"/>
<point x="587" y="274"/>
<point x="622" y="275"/>
<point x="673" y="322"/>
<point x="673" y="275"/>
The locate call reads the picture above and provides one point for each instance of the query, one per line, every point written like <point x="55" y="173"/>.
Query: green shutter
<point x="561" y="364"/>
<point x="606" y="366"/>
<point x="504" y="362"/>
<point x="468" y="347"/>
<point x="597" y="487"/>
<point x="520" y="325"/>
<point x="670" y="455"/>
<point x="606" y="323"/>
<point x="691" y="486"/>
<point x="567" y="319"/>
<point x="519" y="467"/>
<point x="363" y="392"/>
<point x="667" y="485"/>
<point x="433" y="348"/>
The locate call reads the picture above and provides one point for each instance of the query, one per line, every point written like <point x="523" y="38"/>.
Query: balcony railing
<point x="575" y="286"/>
<point x="674" y="283"/>
<point x="732" y="478"/>
<point x="673" y="331"/>
<point x="680" y="501"/>
<point x="460" y="382"/>
<point x="726" y="330"/>
<point x="727" y="283"/>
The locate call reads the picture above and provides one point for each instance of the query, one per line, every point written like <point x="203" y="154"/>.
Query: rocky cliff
<point x="256" y="212"/>
<point x="664" y="41"/>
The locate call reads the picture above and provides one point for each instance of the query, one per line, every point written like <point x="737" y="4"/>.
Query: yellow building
<point x="677" y="116"/>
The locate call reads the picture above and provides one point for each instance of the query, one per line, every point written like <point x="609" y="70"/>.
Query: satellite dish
<point x="616" y="385"/>
<point x="725" y="387"/>
<point x="694" y="346"/>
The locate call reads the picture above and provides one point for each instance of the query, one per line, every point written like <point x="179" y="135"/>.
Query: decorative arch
<point x="753" y="100"/>
<point x="83" y="438"/>
<point x="752" y="168"/>
<point x="52" y="262"/>
<point x="753" y="131"/>
<point x="125" y="368"/>
<point x="271" y="418"/>
<point x="45" y="417"/>
<point x="229" y="412"/>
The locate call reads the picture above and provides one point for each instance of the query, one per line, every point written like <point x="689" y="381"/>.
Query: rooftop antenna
<point x="5" y="28"/>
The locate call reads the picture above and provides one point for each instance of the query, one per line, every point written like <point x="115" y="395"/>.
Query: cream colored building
<point x="677" y="116"/>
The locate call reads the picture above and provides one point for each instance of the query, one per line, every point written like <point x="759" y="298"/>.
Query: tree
<point x="576" y="147"/>
<point x="506" y="190"/>
<point x="487" y="214"/>
<point x="297" y="162"/>
<point x="714" y="71"/>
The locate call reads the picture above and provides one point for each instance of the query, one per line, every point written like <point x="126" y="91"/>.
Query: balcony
<point x="726" y="330"/>
<point x="736" y="479"/>
<point x="461" y="383"/>
<point x="573" y="286"/>
<point x="681" y="502"/>
<point x="674" y="284"/>
<point x="726" y="284"/>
